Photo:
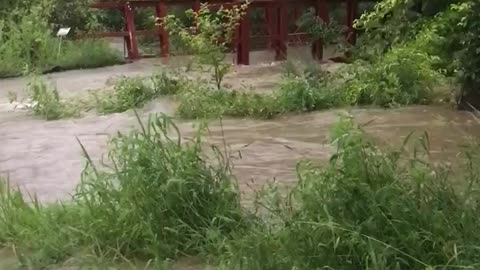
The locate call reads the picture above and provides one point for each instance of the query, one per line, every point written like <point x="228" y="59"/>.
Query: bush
<point x="403" y="76"/>
<point x="161" y="199"/>
<point x="306" y="93"/>
<point x="367" y="209"/>
<point x="469" y="57"/>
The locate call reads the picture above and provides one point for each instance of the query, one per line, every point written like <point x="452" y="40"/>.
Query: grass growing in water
<point x="403" y="76"/>
<point x="46" y="101"/>
<point x="130" y="93"/>
<point x="160" y="199"/>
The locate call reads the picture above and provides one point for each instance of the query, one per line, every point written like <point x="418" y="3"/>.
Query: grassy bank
<point x="365" y="209"/>
<point x="28" y="44"/>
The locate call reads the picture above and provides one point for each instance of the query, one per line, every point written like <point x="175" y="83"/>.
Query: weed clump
<point x="28" y="44"/>
<point x="206" y="102"/>
<point x="161" y="198"/>
<point x="46" y="101"/>
<point x="128" y="93"/>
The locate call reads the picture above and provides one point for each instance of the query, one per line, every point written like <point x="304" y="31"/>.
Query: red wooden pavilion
<point x="276" y="21"/>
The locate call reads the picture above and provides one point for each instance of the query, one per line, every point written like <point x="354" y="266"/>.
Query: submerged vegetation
<point x="367" y="208"/>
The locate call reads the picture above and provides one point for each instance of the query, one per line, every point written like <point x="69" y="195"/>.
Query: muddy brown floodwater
<point x="44" y="157"/>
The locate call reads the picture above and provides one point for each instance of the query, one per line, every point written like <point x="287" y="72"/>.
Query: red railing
<point x="276" y="22"/>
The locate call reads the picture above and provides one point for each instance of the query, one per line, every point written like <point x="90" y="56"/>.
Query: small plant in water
<point x="209" y="36"/>
<point x="46" y="101"/>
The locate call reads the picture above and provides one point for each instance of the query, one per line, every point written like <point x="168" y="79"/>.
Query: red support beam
<point x="270" y="23"/>
<point x="243" y="45"/>
<point x="352" y="11"/>
<point x="131" y="39"/>
<point x="196" y="5"/>
<point x="161" y="11"/>
<point x="321" y="10"/>
<point x="282" y="31"/>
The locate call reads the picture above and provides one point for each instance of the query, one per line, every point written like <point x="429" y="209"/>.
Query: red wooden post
<point x="270" y="21"/>
<point x="282" y="29"/>
<point x="196" y="5"/>
<point x="243" y="45"/>
<point x="352" y="10"/>
<point x="130" y="28"/>
<point x="321" y="10"/>
<point x="161" y="10"/>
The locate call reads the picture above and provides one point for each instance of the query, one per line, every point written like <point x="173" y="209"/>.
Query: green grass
<point x="403" y="76"/>
<point x="82" y="54"/>
<point x="130" y="93"/>
<point x="46" y="102"/>
<point x="366" y="208"/>
<point x="162" y="200"/>
<point x="28" y="44"/>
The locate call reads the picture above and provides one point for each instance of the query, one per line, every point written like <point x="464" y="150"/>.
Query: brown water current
<point x="44" y="157"/>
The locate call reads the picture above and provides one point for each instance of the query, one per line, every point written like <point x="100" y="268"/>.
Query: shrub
<point x="209" y="37"/>
<point x="367" y="209"/>
<point x="306" y="93"/>
<point x="403" y="76"/>
<point x="469" y="56"/>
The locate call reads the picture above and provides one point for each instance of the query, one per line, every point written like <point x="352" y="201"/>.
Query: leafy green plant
<point x="165" y="83"/>
<point x="402" y="76"/>
<point x="390" y="23"/>
<point x="469" y="56"/>
<point x="328" y="32"/>
<point x="209" y="36"/>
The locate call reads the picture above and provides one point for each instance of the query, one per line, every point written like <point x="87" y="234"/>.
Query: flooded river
<point x="44" y="157"/>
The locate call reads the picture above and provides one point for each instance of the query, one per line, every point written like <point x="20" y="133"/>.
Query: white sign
<point x="63" y="32"/>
